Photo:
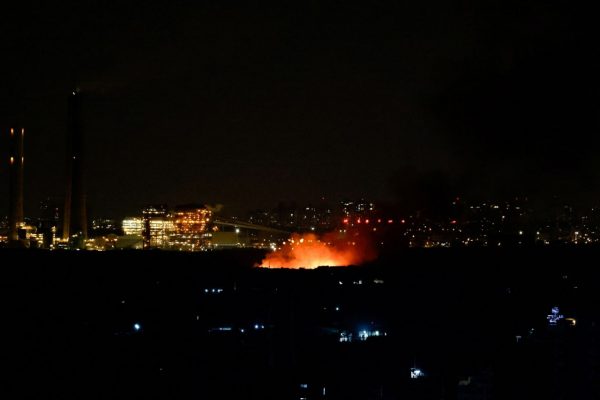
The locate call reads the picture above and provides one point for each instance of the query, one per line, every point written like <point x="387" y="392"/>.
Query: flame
<point x="311" y="251"/>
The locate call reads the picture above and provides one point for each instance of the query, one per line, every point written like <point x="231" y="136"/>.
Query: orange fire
<point x="309" y="251"/>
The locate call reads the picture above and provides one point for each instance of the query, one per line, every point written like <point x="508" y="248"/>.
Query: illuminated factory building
<point x="190" y="227"/>
<point x="133" y="226"/>
<point x="157" y="226"/>
<point x="182" y="229"/>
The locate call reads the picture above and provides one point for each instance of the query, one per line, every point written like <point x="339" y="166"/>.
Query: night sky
<point x="248" y="105"/>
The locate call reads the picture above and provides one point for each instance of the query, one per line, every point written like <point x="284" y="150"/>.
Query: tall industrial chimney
<point x="16" y="161"/>
<point x="75" y="215"/>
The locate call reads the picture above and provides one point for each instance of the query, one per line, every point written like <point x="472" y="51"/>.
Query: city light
<point x="555" y="316"/>
<point x="416" y="373"/>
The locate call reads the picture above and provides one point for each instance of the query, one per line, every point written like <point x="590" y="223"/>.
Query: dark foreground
<point x="208" y="326"/>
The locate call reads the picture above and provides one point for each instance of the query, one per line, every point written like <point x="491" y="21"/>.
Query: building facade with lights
<point x="184" y="228"/>
<point x="190" y="227"/>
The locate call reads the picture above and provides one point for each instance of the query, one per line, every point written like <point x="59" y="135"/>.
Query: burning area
<point x="311" y="251"/>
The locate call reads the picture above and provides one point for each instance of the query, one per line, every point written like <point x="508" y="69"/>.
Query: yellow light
<point x="12" y="131"/>
<point x="12" y="160"/>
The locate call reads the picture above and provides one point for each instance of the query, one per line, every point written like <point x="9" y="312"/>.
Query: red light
<point x="358" y="221"/>
<point x="366" y="221"/>
<point x="345" y="220"/>
<point x="453" y="222"/>
<point x="403" y="221"/>
<point x="379" y="221"/>
<point x="390" y="221"/>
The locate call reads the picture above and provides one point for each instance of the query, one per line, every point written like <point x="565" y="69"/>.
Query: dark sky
<point x="246" y="105"/>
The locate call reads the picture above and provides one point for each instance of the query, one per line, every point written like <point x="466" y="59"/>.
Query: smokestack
<point x="16" y="160"/>
<point x="75" y="215"/>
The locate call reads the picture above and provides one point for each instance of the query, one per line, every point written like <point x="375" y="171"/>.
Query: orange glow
<point x="309" y="251"/>
<point x="192" y="221"/>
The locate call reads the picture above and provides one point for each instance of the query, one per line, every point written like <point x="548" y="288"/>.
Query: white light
<point x="137" y="327"/>
<point x="416" y="373"/>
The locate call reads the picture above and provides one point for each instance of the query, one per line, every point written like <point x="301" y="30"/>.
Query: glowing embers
<point x="311" y="251"/>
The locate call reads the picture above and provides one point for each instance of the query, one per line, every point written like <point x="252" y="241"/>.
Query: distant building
<point x="190" y="224"/>
<point x="47" y="224"/>
<point x="133" y="226"/>
<point x="183" y="229"/>
<point x="104" y="226"/>
<point x="296" y="217"/>
<point x="157" y="226"/>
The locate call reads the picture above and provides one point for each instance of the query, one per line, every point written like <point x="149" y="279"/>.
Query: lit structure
<point x="191" y="219"/>
<point x="361" y="335"/>
<point x="190" y="223"/>
<point x="184" y="229"/>
<point x="416" y="373"/>
<point x="133" y="226"/>
<point x="49" y="222"/>
<point x="157" y="226"/>
<point x="555" y="316"/>
<point x="16" y="162"/>
<point x="105" y="224"/>
<point x="75" y="214"/>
